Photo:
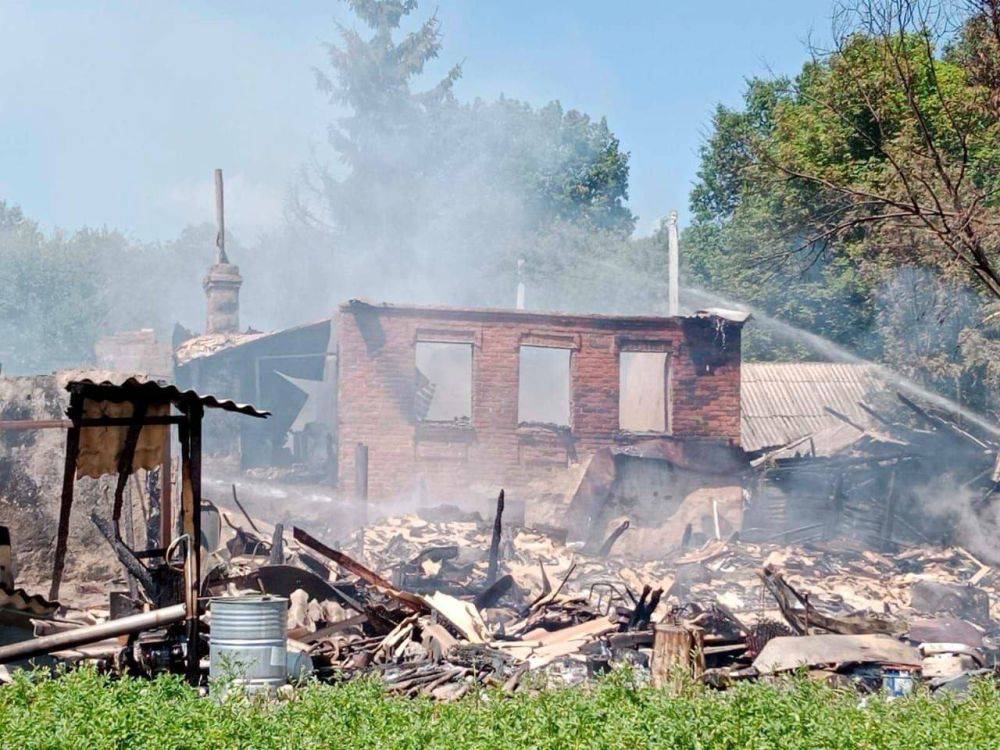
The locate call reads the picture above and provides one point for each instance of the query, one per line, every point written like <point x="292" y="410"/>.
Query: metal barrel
<point x="248" y="645"/>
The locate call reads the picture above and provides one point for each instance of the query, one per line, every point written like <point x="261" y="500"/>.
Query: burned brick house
<point x="449" y="396"/>
<point x="446" y="396"/>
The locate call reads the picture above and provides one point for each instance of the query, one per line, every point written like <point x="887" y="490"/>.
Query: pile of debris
<point x="910" y="476"/>
<point x="439" y="605"/>
<point x="439" y="602"/>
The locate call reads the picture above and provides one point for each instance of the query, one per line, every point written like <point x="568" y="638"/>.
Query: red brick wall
<point x="377" y="385"/>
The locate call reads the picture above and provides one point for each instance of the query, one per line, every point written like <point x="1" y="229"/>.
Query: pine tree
<point x="383" y="140"/>
<point x="433" y="199"/>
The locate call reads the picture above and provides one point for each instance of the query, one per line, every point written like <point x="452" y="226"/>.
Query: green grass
<point x="85" y="710"/>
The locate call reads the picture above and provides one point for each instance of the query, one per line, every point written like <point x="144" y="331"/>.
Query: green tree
<point x="432" y="198"/>
<point x="858" y="197"/>
<point x="51" y="301"/>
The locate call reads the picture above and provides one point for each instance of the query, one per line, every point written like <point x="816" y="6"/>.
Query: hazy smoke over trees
<point x="417" y="196"/>
<point x="427" y="198"/>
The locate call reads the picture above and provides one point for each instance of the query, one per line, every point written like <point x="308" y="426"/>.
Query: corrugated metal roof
<point x="20" y="600"/>
<point x="156" y="390"/>
<point x="782" y="402"/>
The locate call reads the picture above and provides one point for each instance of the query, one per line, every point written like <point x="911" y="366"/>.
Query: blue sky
<point x="115" y="113"/>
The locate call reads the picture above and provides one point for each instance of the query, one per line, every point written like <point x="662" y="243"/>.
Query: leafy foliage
<point x="51" y="300"/>
<point x="859" y="198"/>
<point x="64" y="291"/>
<point x="84" y="709"/>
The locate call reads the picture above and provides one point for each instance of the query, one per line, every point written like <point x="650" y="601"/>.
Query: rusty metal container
<point x="248" y="644"/>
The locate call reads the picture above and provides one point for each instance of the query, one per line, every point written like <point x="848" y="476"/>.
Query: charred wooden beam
<point x="843" y="418"/>
<point x="75" y="413"/>
<point x="166" y="495"/>
<point x="876" y="416"/>
<point x="125" y="460"/>
<point x="127" y="557"/>
<point x="935" y="421"/>
<point x="410" y="601"/>
<point x="612" y="538"/>
<point x="640" y="607"/>
<point x="277" y="556"/>
<point x="803" y="620"/>
<point x="190" y="438"/>
<point x="435" y="554"/>
<point x="238" y="504"/>
<point x="491" y="595"/>
<point x="491" y="572"/>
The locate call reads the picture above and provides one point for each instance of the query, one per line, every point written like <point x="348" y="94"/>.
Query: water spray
<point x="837" y="353"/>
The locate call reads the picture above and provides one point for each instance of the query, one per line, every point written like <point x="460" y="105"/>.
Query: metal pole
<point x="673" y="266"/>
<point x="92" y="633"/>
<point x="220" y="220"/>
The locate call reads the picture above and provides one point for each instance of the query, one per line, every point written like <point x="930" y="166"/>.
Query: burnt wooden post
<point x="75" y="413"/>
<point x="612" y="538"/>
<point x="166" y="495"/>
<point x="672" y="646"/>
<point x="153" y="519"/>
<point x="125" y="459"/>
<point x="494" y="564"/>
<point x="190" y="435"/>
<point x="133" y="588"/>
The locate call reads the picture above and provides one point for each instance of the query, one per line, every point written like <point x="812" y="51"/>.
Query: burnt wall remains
<point x="441" y="435"/>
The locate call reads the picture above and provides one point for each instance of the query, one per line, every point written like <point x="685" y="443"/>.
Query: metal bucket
<point x="248" y="644"/>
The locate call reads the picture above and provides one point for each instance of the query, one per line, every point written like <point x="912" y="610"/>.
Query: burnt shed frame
<point x="141" y="395"/>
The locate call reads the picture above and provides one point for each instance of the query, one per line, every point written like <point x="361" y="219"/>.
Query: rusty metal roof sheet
<point x="20" y="600"/>
<point x="156" y="391"/>
<point x="782" y="402"/>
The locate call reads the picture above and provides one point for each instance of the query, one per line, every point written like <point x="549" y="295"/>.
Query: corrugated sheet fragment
<point x="782" y="402"/>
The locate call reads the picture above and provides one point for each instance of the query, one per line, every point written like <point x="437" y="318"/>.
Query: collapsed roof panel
<point x="155" y="391"/>
<point x="781" y="402"/>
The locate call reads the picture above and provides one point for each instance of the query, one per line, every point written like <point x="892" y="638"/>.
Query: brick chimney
<point x="222" y="284"/>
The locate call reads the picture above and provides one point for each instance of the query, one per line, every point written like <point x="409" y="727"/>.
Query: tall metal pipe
<point x="220" y="220"/>
<point x="673" y="266"/>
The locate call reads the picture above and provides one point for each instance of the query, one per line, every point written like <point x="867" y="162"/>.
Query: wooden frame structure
<point x="142" y="395"/>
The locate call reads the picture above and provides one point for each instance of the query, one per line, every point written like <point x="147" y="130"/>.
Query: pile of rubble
<point x="434" y="606"/>
<point x="438" y="602"/>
